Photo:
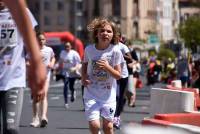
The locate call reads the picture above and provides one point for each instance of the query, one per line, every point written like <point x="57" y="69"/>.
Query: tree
<point x="165" y="53"/>
<point x="190" y="32"/>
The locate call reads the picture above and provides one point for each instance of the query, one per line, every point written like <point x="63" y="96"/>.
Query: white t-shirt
<point x="70" y="60"/>
<point x="103" y="86"/>
<point x="47" y="55"/>
<point x="124" y="49"/>
<point x="12" y="58"/>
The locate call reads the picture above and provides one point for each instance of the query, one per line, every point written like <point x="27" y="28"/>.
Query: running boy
<point x="100" y="70"/>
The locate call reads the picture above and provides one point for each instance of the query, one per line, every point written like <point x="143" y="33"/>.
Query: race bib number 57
<point x="8" y="32"/>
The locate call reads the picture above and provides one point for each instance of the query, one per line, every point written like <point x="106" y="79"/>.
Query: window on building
<point x="167" y="32"/>
<point x="96" y="11"/>
<point x="47" y="21"/>
<point x="47" y="5"/>
<point x="135" y="1"/>
<point x="116" y="7"/>
<point x="167" y="12"/>
<point x="78" y="21"/>
<point x="61" y="20"/>
<point x="37" y="6"/>
<point x="186" y="16"/>
<point x="79" y="34"/>
<point x="60" y="5"/>
<point x="79" y="5"/>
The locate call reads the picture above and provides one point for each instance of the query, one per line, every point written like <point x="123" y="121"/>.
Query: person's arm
<point x="84" y="77"/>
<point x="128" y="57"/>
<point x="37" y="69"/>
<point x="52" y="62"/>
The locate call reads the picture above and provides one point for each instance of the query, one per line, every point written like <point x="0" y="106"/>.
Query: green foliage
<point x="152" y="52"/>
<point x="165" y="53"/>
<point x="190" y="31"/>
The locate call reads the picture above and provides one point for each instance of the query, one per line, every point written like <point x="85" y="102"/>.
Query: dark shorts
<point x="184" y="79"/>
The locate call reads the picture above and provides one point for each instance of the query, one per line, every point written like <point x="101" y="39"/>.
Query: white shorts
<point x="94" y="109"/>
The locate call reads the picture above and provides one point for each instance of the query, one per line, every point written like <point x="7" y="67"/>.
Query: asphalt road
<point x="72" y="120"/>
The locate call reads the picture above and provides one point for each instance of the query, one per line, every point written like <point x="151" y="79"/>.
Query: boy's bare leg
<point x="94" y="126"/>
<point x="107" y="127"/>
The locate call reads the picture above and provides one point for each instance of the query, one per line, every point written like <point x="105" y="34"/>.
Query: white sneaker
<point x="35" y="122"/>
<point x="66" y="106"/>
<point x="74" y="94"/>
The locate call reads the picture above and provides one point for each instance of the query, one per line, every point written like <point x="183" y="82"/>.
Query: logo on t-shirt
<point x="98" y="73"/>
<point x="111" y="110"/>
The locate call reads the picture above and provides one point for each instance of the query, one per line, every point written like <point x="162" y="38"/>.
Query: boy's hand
<point x="103" y="64"/>
<point x="85" y="81"/>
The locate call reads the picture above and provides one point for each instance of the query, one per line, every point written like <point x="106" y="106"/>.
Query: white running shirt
<point x="47" y="55"/>
<point x="70" y="59"/>
<point x="124" y="49"/>
<point x="103" y="86"/>
<point x="12" y="58"/>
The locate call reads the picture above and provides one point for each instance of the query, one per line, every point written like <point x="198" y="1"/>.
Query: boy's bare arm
<point x="84" y="77"/>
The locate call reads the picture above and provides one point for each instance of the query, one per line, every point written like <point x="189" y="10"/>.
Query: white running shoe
<point x="35" y="122"/>
<point x="67" y="106"/>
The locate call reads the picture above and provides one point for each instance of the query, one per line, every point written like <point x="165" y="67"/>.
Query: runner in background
<point x="40" y="107"/>
<point x="70" y="63"/>
<point x="122" y="84"/>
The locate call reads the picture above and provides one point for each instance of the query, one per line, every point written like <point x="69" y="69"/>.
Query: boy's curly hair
<point x="99" y="23"/>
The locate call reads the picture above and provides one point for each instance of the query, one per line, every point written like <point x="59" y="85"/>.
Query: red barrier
<point x="156" y="122"/>
<point x="180" y="118"/>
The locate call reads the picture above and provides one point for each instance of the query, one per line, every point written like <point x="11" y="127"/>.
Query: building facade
<point x="189" y="8"/>
<point x="137" y="18"/>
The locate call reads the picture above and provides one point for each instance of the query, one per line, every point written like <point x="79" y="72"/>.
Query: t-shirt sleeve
<point x="126" y="49"/>
<point x="33" y="21"/>
<point x="61" y="55"/>
<point x="118" y="58"/>
<point x="77" y="57"/>
<point x="52" y="53"/>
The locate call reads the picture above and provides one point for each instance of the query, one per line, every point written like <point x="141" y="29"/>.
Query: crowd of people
<point x="181" y="68"/>
<point x="109" y="71"/>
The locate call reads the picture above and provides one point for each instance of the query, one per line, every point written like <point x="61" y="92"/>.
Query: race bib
<point x="99" y="74"/>
<point x="8" y="32"/>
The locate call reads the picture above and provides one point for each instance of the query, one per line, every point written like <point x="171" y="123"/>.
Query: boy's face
<point x="105" y="34"/>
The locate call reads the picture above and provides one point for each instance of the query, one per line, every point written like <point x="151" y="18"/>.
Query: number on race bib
<point x="8" y="34"/>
